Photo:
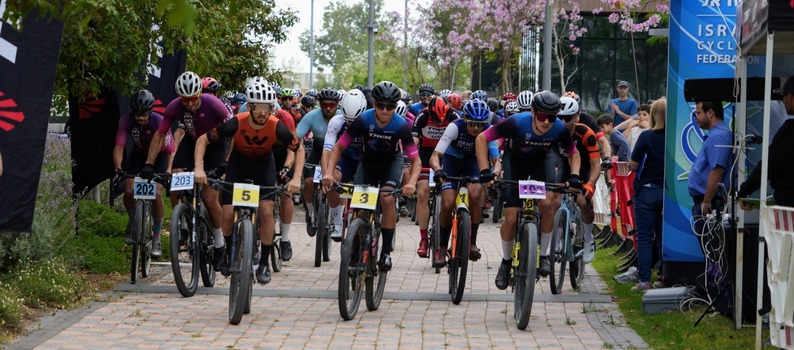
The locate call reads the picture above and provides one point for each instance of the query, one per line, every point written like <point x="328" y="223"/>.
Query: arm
<point x="198" y="154"/>
<point x="155" y="146"/>
<point x="606" y="149"/>
<point x="633" y="166"/>
<point x="574" y="161"/>
<point x="299" y="157"/>
<point x="715" y="177"/>
<point x="118" y="155"/>
<point x="435" y="161"/>
<point x="481" y="146"/>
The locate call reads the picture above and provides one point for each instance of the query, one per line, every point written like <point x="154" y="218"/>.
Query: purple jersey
<point x="211" y="114"/>
<point x="141" y="135"/>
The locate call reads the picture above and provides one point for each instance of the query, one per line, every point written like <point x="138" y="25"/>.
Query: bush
<point x="48" y="284"/>
<point x="12" y="309"/>
<point x="98" y="254"/>
<point x="100" y="220"/>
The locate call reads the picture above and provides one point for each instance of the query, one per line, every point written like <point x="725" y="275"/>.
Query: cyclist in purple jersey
<point x="141" y="124"/>
<point x="533" y="143"/>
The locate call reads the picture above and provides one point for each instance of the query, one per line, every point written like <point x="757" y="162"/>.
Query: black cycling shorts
<point x="138" y="160"/>
<point x="380" y="173"/>
<point x="547" y="168"/>
<point x="241" y="169"/>
<point x="214" y="154"/>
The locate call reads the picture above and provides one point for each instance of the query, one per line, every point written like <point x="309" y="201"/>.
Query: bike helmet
<point x="386" y="91"/>
<point x="405" y="97"/>
<point x="574" y="96"/>
<point x="256" y="79"/>
<point x="240" y="98"/>
<point x="328" y="94"/>
<point x="308" y="101"/>
<point x="477" y="110"/>
<point x="444" y="93"/>
<point x="230" y="95"/>
<point x="209" y="84"/>
<point x="312" y="93"/>
<point x="509" y="97"/>
<point x="286" y="92"/>
<point x="455" y="101"/>
<point x="546" y="102"/>
<point x="479" y="95"/>
<point x="260" y="93"/>
<point x="188" y="84"/>
<point x="427" y="88"/>
<point x="142" y="102"/>
<point x="511" y="107"/>
<point x="493" y="104"/>
<point x="524" y="99"/>
<point x="568" y="107"/>
<point x="401" y="109"/>
<point x="438" y="107"/>
<point x="353" y="104"/>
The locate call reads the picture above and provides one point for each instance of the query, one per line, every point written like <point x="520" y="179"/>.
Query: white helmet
<point x="569" y="107"/>
<point x="401" y="108"/>
<point x="353" y="103"/>
<point x="511" y="107"/>
<point x="188" y="84"/>
<point x="256" y="79"/>
<point x="260" y="93"/>
<point x="444" y="93"/>
<point x="524" y="100"/>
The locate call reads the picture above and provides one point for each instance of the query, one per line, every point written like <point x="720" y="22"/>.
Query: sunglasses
<point x="567" y="118"/>
<point x="425" y="94"/>
<point x="189" y="99"/>
<point x="286" y="98"/>
<point x="385" y="106"/>
<point x="474" y="124"/>
<point x="329" y="105"/>
<point x="257" y="106"/>
<point x="542" y="117"/>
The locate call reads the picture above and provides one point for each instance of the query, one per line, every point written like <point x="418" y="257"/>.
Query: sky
<point x="289" y="51"/>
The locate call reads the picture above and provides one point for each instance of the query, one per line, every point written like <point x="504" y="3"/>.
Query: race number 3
<point x="182" y="181"/>
<point x="364" y="197"/>
<point x="144" y="189"/>
<point x="531" y="189"/>
<point x="245" y="195"/>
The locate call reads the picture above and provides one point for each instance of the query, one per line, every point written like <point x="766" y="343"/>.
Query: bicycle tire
<point x="458" y="267"/>
<point x="241" y="271"/>
<point x="276" y="262"/>
<point x="206" y="242"/>
<point x="558" y="250"/>
<point x="320" y="230"/>
<point x="435" y="231"/>
<point x="498" y="205"/>
<point x="184" y="251"/>
<point x="577" y="266"/>
<point x="376" y="281"/>
<point x="352" y="270"/>
<point x="146" y="239"/>
<point x="275" y="257"/>
<point x="527" y="270"/>
<point x="137" y="228"/>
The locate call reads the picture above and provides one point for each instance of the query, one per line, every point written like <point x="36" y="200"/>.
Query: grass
<point x="671" y="330"/>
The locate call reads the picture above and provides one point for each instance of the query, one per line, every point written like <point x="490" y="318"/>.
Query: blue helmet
<point x="477" y="110"/>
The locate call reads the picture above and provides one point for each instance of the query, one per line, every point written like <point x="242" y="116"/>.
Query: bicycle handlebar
<point x="224" y="186"/>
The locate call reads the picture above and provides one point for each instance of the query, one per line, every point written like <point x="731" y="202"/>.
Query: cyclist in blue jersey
<point x="381" y="131"/>
<point x="533" y="143"/>
<point x="426" y="92"/>
<point x="455" y="155"/>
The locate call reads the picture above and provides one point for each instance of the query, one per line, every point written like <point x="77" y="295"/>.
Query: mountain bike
<point x="460" y="238"/>
<point x="567" y="242"/>
<point x="321" y="222"/>
<point x="433" y="229"/>
<point x="358" y="270"/>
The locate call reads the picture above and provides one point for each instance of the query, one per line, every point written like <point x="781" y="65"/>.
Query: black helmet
<point x="328" y="94"/>
<point x="142" y="102"/>
<point x="308" y="101"/>
<point x="546" y="102"/>
<point x="386" y="91"/>
<point x="426" y="88"/>
<point x="493" y="104"/>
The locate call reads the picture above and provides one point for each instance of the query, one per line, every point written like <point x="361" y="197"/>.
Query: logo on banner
<point x="89" y="108"/>
<point x="8" y="113"/>
<point x="159" y="107"/>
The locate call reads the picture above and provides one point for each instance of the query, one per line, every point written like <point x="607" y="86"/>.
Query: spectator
<point x="618" y="143"/>
<point x="633" y="127"/>
<point x="623" y="107"/>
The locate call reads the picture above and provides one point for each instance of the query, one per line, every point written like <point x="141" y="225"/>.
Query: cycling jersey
<point x="430" y="129"/>
<point x="587" y="119"/>
<point x="585" y="141"/>
<point x="410" y="118"/>
<point x="254" y="143"/>
<point x="336" y="127"/>
<point x="458" y="143"/>
<point x="380" y="143"/>
<point x="210" y="114"/>
<point x="416" y="108"/>
<point x="522" y="140"/>
<point x="141" y="135"/>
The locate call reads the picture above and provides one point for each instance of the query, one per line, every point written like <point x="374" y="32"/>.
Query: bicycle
<point x="460" y="239"/>
<point x="567" y="242"/>
<point x="526" y="250"/>
<point x="322" y="222"/>
<point x="276" y="262"/>
<point x="192" y="243"/>
<point x="358" y="269"/>
<point x="433" y="229"/>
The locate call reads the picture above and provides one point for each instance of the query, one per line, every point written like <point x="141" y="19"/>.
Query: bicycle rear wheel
<point x="434" y="231"/>
<point x="320" y="230"/>
<point x="525" y="274"/>
<point x="206" y="243"/>
<point x="146" y="239"/>
<point x="460" y="264"/>
<point x="185" y="257"/>
<point x="241" y="270"/>
<point x="577" y="266"/>
<point x="352" y="270"/>
<point x="376" y="280"/>
<point x="558" y="250"/>
<point x="137" y="234"/>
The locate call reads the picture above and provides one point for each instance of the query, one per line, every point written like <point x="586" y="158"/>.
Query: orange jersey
<point x="585" y="140"/>
<point x="253" y="143"/>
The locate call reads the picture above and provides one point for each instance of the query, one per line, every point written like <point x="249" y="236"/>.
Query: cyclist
<point x="251" y="157"/>
<point x="381" y="132"/>
<point x="444" y="93"/>
<point x="455" y="156"/>
<point x="140" y="125"/>
<point x="426" y="92"/>
<point x="524" y="100"/>
<point x="429" y="127"/>
<point x="287" y="99"/>
<point x="307" y="104"/>
<point x="211" y="86"/>
<point x="285" y="161"/>
<point x="456" y="103"/>
<point x="316" y="123"/>
<point x="587" y="119"/>
<point x="532" y="144"/>
<point x="586" y="144"/>
<point x="510" y="109"/>
<point x="199" y="113"/>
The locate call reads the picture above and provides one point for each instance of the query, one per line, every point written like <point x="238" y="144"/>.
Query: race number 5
<point x="144" y="189"/>
<point x="245" y="195"/>
<point x="182" y="181"/>
<point x="531" y="189"/>
<point x="364" y="197"/>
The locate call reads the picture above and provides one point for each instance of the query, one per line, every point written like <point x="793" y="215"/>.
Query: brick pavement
<point x="299" y="310"/>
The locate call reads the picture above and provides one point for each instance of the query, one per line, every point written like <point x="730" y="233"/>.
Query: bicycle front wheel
<point x="184" y="251"/>
<point x="559" y="248"/>
<point x="459" y="265"/>
<point x="376" y="280"/>
<point x="435" y="232"/>
<point x="137" y="234"/>
<point x="352" y="270"/>
<point x="320" y="230"/>
<point x="145" y="241"/>
<point x="577" y="266"/>
<point x="206" y="243"/>
<point x="526" y="274"/>
<point x="242" y="252"/>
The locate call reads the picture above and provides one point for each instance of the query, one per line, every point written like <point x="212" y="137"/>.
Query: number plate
<point x="245" y="195"/>
<point x="144" y="189"/>
<point x="347" y="191"/>
<point x="531" y="190"/>
<point x="430" y="181"/>
<point x="182" y="181"/>
<point x="462" y="200"/>
<point x="318" y="174"/>
<point x="364" y="197"/>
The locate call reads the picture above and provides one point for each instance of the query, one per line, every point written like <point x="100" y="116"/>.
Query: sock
<point x="218" y="234"/>
<point x="587" y="229"/>
<point x="507" y="250"/>
<point x="285" y="232"/>
<point x="265" y="249"/>
<point x="445" y="232"/>
<point x="545" y="243"/>
<point x="387" y="235"/>
<point x="228" y="240"/>
<point x="336" y="212"/>
<point x="157" y="226"/>
<point x="423" y="233"/>
<point x="474" y="229"/>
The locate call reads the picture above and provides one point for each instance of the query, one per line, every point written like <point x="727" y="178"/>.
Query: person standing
<point x="623" y="107"/>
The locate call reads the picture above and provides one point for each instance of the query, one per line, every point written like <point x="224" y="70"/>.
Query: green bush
<point x="98" y="254"/>
<point x="12" y="309"/>
<point x="100" y="220"/>
<point x="48" y="284"/>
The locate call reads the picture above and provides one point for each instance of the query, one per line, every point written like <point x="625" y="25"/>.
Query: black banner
<point x="93" y="124"/>
<point x="28" y="62"/>
<point x="163" y="77"/>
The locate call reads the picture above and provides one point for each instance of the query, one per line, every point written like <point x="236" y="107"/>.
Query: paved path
<point x="299" y="310"/>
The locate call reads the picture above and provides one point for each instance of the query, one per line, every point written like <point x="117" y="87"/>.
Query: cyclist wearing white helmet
<point x="524" y="100"/>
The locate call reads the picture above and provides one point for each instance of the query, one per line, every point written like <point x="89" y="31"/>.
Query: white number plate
<point x="318" y="174"/>
<point x="144" y="189"/>
<point x="531" y="189"/>
<point x="182" y="181"/>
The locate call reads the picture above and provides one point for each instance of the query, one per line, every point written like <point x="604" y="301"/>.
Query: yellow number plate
<point x="462" y="200"/>
<point x="245" y="195"/>
<point x="364" y="197"/>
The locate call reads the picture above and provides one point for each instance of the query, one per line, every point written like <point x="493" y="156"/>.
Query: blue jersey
<point x="380" y="143"/>
<point x="457" y="142"/>
<point x="416" y="108"/>
<point x="522" y="139"/>
<point x="315" y="123"/>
